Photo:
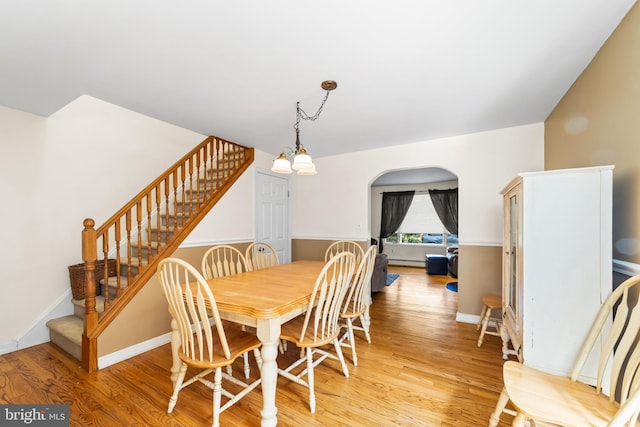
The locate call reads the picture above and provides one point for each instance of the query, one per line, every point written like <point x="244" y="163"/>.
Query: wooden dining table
<point x="263" y="299"/>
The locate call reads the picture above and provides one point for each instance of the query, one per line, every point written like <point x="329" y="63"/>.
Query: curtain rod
<point x="416" y="192"/>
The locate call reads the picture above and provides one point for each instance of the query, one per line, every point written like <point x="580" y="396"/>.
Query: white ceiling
<point x="406" y="70"/>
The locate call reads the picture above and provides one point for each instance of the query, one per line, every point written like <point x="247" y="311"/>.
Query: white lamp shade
<point x="281" y="165"/>
<point x="302" y="161"/>
<point x="310" y="171"/>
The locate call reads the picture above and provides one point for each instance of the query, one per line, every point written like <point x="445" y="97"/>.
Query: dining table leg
<point x="268" y="331"/>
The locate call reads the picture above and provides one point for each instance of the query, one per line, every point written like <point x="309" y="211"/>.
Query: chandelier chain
<point x="302" y="115"/>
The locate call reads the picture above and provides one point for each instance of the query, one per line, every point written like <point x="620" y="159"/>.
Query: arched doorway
<point x="420" y="180"/>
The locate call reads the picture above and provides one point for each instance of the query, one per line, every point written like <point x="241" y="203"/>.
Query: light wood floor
<point x="421" y="369"/>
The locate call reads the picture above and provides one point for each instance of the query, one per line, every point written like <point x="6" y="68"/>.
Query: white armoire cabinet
<point x="557" y="263"/>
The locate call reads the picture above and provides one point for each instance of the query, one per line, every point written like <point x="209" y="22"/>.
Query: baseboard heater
<point x="406" y="262"/>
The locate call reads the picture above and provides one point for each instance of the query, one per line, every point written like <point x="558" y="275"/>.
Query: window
<point x="422" y="225"/>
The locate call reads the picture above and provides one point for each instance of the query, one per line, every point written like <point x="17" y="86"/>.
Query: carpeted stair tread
<point x="133" y="262"/>
<point x="70" y="326"/>
<point x="66" y="333"/>
<point x="113" y="281"/>
<point x="79" y="306"/>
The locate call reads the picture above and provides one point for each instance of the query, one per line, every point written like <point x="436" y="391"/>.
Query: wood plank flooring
<point x="421" y="369"/>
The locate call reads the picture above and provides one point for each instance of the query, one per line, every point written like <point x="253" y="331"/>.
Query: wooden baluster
<point x="118" y="238"/>
<point x="208" y="168"/>
<point x="200" y="190"/>
<point x="205" y="168"/>
<point x="149" y="228"/>
<point x="222" y="160"/>
<point x="211" y="180"/>
<point x="218" y="175"/>
<point x="128" y="228"/>
<point x="175" y="200"/>
<point x="232" y="158"/>
<point x="159" y="213"/>
<point x="105" y="259"/>
<point x="89" y="255"/>
<point x="212" y="168"/>
<point x="184" y="192"/>
<point x="139" y="221"/>
<point x="203" y="174"/>
<point x="191" y="206"/>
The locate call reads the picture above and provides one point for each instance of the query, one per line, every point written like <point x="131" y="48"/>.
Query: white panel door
<point x="272" y="213"/>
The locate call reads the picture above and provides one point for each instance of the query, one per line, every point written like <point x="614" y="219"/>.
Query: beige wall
<point x="597" y="122"/>
<point x="484" y="264"/>
<point x="313" y="249"/>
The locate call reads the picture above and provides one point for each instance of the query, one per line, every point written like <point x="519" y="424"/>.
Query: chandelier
<point x="302" y="162"/>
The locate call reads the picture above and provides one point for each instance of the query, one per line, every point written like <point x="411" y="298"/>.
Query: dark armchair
<point x="452" y="254"/>
<point x="379" y="274"/>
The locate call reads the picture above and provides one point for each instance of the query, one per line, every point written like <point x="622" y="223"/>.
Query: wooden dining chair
<point x="541" y="398"/>
<point x="319" y="326"/>
<point x="342" y="246"/>
<point x="223" y="260"/>
<point x="205" y="345"/>
<point x="261" y="255"/>
<point x="356" y="302"/>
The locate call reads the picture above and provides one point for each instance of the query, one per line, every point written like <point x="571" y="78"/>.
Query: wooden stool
<point x="490" y="302"/>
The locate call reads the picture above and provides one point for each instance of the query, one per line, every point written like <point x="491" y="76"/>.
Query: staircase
<point x="143" y="232"/>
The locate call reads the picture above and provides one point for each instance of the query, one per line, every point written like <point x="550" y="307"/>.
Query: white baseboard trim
<point x="134" y="350"/>
<point x="467" y="318"/>
<point x="406" y="263"/>
<point x="38" y="332"/>
<point x="8" y="347"/>
<point x="472" y="318"/>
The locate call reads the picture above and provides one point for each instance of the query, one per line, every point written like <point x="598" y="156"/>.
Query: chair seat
<point x="291" y="332"/>
<point x="239" y="342"/>
<point x="556" y="399"/>
<point x="351" y="312"/>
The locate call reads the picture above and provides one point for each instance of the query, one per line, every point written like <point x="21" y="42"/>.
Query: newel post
<point x="89" y="255"/>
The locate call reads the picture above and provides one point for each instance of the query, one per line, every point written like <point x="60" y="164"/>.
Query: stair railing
<point x="149" y="228"/>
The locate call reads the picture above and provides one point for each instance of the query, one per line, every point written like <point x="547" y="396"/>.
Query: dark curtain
<point x="445" y="203"/>
<point x="395" y="206"/>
